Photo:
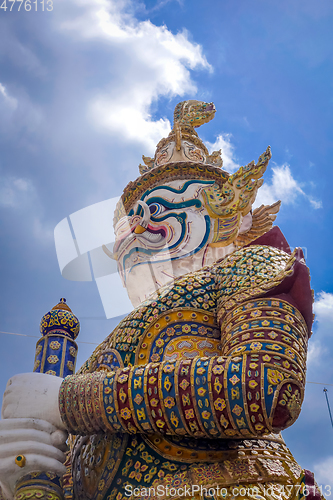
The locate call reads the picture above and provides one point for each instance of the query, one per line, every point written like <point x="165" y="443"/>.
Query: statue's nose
<point x="142" y="226"/>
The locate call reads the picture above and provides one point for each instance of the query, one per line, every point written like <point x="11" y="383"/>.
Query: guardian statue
<point x="188" y="395"/>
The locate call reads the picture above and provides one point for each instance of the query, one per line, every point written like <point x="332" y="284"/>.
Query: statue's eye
<point x="156" y="208"/>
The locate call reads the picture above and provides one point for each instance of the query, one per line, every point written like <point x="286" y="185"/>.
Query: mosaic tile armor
<point x="194" y="386"/>
<point x="209" y="356"/>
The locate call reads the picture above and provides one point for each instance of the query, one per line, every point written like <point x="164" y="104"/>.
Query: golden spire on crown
<point x="183" y="143"/>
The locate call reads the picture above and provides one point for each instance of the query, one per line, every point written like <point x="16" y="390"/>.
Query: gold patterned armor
<point x="192" y="389"/>
<point x="184" y="383"/>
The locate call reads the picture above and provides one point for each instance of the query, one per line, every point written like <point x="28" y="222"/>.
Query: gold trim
<point x="115" y="400"/>
<point x="179" y="405"/>
<point x="210" y="392"/>
<point x="88" y="420"/>
<point x="197" y="455"/>
<point x="194" y="398"/>
<point x="245" y="392"/>
<point x="160" y="393"/>
<point x="20" y="460"/>
<point x="226" y="397"/>
<point x="262" y="339"/>
<point x="145" y="391"/>
<point x="42" y="363"/>
<point x="262" y="395"/>
<point x="100" y="382"/>
<point x="63" y="357"/>
<point x="163" y="324"/>
<point x="230" y="316"/>
<point x="130" y="400"/>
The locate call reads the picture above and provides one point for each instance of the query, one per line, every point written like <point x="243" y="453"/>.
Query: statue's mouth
<point x="153" y="235"/>
<point x="159" y="230"/>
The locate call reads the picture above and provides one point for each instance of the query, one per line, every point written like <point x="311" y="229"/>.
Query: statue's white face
<point x="165" y="235"/>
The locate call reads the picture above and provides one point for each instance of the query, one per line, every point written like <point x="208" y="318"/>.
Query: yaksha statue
<point x="188" y="395"/>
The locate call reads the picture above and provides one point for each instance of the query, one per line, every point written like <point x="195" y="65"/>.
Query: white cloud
<point x="320" y="344"/>
<point x="315" y="353"/>
<point x="17" y="113"/>
<point x="15" y="191"/>
<point x="20" y="193"/>
<point x="323" y="306"/>
<point x="223" y="142"/>
<point x="9" y="101"/>
<point x="133" y="122"/>
<point x="282" y="187"/>
<point x="315" y="203"/>
<point x="20" y="54"/>
<point x="151" y="62"/>
<point x="324" y="472"/>
<point x="43" y="232"/>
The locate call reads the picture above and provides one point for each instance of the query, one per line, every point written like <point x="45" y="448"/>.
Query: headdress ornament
<point x="181" y="155"/>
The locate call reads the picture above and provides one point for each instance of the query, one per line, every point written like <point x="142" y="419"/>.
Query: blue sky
<point x="89" y="87"/>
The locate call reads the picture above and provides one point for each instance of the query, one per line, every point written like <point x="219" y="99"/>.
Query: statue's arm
<point x="203" y="396"/>
<point x="257" y="388"/>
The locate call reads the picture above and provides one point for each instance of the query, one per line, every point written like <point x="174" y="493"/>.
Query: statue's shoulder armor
<point x="250" y="267"/>
<point x="251" y="272"/>
<point x="260" y="270"/>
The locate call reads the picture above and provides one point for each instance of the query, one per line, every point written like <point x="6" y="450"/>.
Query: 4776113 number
<point x="34" y="5"/>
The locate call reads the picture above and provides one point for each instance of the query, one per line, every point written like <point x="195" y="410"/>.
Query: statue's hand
<point x="33" y="395"/>
<point x="41" y="445"/>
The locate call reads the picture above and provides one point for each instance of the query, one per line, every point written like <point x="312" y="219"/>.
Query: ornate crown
<point x="183" y="155"/>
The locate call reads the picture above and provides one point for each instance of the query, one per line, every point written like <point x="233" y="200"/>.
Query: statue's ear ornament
<point x="262" y="221"/>
<point x="215" y="159"/>
<point x="148" y="164"/>
<point x="227" y="204"/>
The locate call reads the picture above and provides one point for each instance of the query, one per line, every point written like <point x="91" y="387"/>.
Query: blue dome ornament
<point x="60" y="319"/>
<point x="56" y="351"/>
